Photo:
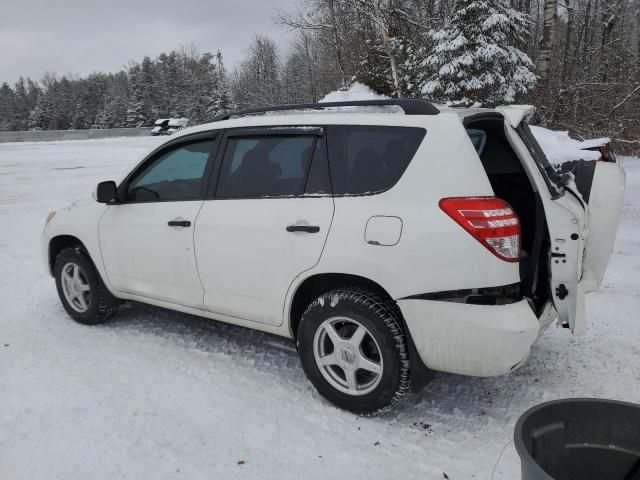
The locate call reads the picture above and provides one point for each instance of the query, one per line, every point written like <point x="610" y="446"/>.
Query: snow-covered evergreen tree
<point x="221" y="100"/>
<point x="40" y="116"/>
<point x="136" y="106"/>
<point x="375" y="71"/>
<point x="474" y="57"/>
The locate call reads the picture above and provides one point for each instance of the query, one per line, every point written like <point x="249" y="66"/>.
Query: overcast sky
<point x="82" y="36"/>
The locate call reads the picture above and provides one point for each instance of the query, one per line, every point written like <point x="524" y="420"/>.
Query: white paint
<point x="383" y="231"/>
<point x="605" y="208"/>
<point x="479" y="340"/>
<point x="142" y="255"/>
<point x="242" y="266"/>
<point x="246" y="257"/>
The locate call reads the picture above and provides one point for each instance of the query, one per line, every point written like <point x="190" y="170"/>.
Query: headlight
<point x="50" y="216"/>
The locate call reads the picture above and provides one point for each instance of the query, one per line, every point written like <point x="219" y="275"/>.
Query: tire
<point x="383" y="346"/>
<point x="87" y="301"/>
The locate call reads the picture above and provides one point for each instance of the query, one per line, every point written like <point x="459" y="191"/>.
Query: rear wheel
<point x="353" y="350"/>
<point x="80" y="288"/>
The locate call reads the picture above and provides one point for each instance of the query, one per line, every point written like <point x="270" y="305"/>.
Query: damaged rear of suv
<point x="558" y="231"/>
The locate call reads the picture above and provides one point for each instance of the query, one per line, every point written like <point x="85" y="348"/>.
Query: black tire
<point x="100" y="304"/>
<point x="383" y="320"/>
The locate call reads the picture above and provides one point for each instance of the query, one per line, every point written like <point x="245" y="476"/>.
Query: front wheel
<point x="353" y="349"/>
<point x="80" y="288"/>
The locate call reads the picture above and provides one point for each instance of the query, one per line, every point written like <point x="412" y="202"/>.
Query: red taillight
<point x="489" y="220"/>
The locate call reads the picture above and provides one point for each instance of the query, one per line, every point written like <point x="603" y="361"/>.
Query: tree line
<point x="578" y="61"/>
<point x="175" y="84"/>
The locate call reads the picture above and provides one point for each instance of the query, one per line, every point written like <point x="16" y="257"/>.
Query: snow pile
<point x="357" y="91"/>
<point x="560" y="147"/>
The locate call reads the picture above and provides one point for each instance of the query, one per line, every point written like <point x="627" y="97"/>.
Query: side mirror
<point x="107" y="192"/>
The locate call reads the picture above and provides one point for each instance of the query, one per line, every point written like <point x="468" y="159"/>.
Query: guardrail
<point x="86" y="134"/>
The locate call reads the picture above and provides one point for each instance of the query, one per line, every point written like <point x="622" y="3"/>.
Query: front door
<point x="147" y="240"/>
<point x="266" y="222"/>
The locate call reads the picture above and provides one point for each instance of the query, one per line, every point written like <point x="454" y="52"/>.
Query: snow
<point x="162" y="395"/>
<point x="178" y="122"/>
<point x="560" y="147"/>
<point x="357" y="91"/>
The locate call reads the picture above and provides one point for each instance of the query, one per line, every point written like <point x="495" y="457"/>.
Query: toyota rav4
<point x="388" y="238"/>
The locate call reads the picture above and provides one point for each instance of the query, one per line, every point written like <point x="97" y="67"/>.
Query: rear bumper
<point x="478" y="340"/>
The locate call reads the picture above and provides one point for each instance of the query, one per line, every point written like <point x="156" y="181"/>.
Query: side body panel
<point x="144" y="256"/>
<point x="433" y="252"/>
<point x="247" y="258"/>
<point x="79" y="220"/>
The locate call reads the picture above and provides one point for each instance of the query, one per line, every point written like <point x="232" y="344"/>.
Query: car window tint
<point x="318" y="178"/>
<point x="257" y="166"/>
<point x="175" y="175"/>
<point x="368" y="159"/>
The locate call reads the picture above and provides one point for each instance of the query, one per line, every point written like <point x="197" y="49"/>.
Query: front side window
<point x="176" y="175"/>
<point x="369" y="159"/>
<point x="265" y="165"/>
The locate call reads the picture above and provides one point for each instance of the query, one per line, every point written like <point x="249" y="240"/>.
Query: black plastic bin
<point x="580" y="439"/>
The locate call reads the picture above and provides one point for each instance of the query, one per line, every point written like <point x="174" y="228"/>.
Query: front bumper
<point x="478" y="340"/>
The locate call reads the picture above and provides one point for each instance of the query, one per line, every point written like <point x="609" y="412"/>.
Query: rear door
<point x="581" y="236"/>
<point x="601" y="185"/>
<point x="265" y="222"/>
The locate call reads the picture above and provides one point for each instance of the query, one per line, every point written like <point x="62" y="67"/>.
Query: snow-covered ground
<point x="160" y="395"/>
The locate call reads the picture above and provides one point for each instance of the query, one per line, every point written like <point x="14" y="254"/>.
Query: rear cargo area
<point x="511" y="183"/>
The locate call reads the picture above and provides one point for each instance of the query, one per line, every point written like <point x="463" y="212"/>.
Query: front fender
<point x="80" y="221"/>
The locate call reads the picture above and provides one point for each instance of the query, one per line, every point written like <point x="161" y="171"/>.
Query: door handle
<point x="303" y="228"/>
<point x="179" y="223"/>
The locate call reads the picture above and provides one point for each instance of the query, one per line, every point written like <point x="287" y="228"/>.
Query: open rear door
<point x="566" y="218"/>
<point x="582" y="212"/>
<point x="601" y="185"/>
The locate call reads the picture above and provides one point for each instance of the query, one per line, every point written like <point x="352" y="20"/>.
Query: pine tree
<point x="22" y="105"/>
<point x="136" y="106"/>
<point x="40" y="117"/>
<point x="220" y="99"/>
<point x="375" y="71"/>
<point x="7" y="107"/>
<point x="473" y="58"/>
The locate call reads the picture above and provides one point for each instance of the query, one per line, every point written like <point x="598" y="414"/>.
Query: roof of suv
<point x="395" y="111"/>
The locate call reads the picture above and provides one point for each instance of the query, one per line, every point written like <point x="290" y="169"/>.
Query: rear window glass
<point x="257" y="166"/>
<point x="369" y="159"/>
<point x="550" y="176"/>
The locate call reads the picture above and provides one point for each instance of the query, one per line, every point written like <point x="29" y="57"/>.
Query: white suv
<point x="388" y="238"/>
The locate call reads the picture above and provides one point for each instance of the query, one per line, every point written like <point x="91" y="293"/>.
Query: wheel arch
<point x="314" y="285"/>
<point x="59" y="243"/>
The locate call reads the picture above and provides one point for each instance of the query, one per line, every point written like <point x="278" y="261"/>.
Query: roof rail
<point x="411" y="106"/>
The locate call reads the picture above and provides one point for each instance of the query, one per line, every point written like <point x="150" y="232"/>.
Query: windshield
<point x="551" y="177"/>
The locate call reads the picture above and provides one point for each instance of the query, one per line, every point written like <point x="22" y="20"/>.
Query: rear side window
<point x="369" y="159"/>
<point x="265" y="165"/>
